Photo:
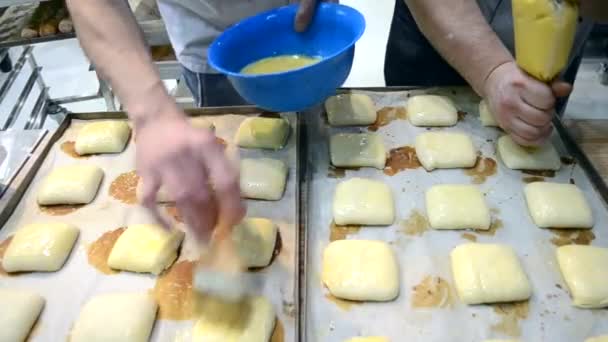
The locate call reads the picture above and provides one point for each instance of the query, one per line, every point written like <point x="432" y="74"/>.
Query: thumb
<point x="561" y="88"/>
<point x="306" y="10"/>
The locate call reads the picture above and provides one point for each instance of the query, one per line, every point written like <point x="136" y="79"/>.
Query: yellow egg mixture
<point x="281" y="63"/>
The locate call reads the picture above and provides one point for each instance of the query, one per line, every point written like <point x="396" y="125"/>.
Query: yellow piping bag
<point x="544" y="35"/>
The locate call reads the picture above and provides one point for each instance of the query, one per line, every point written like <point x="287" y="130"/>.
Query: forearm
<point x="459" y="32"/>
<point x="595" y="9"/>
<point x="113" y="41"/>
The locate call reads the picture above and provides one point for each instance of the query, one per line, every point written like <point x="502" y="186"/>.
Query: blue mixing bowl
<point x="331" y="35"/>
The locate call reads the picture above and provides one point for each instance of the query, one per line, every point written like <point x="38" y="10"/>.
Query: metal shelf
<point x="154" y="33"/>
<point x="31" y="41"/>
<point x="7" y="3"/>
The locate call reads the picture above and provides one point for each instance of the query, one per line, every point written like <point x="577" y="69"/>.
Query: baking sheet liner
<point x="549" y="315"/>
<point x="68" y="289"/>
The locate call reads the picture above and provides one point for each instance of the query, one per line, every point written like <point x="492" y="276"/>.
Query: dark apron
<point x="412" y="61"/>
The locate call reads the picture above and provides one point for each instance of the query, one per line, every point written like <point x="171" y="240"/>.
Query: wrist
<point x="153" y="103"/>
<point x="486" y="85"/>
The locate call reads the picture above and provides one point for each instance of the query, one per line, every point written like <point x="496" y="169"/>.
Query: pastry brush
<point x="220" y="272"/>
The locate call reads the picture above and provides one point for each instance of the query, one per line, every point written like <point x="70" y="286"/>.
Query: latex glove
<point x="306" y="11"/>
<point x="187" y="160"/>
<point x="522" y="105"/>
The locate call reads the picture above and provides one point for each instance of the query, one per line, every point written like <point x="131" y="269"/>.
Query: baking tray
<point x="422" y="252"/>
<point x="68" y="289"/>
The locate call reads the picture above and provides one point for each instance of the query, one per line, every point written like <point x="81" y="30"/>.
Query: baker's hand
<point x="306" y="11"/>
<point x="188" y="161"/>
<point x="522" y="105"/>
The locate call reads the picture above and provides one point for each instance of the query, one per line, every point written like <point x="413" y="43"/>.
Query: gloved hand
<point x="522" y="105"/>
<point x="305" y="13"/>
<point x="188" y="162"/>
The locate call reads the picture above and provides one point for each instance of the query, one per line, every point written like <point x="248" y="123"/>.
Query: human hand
<point x="306" y="11"/>
<point x="188" y="162"/>
<point x="522" y="105"/>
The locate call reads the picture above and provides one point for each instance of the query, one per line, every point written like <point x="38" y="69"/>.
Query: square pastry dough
<point x="270" y="133"/>
<point x="103" y="137"/>
<point x="518" y="157"/>
<point x="585" y="270"/>
<point x="202" y="122"/>
<point x="250" y="320"/>
<point x="431" y="110"/>
<point x="457" y="207"/>
<point x="145" y="248"/>
<point x="357" y="150"/>
<point x="485" y="115"/>
<point x="19" y="310"/>
<point x="350" y="110"/>
<point x="368" y="339"/>
<point x="116" y="317"/>
<point x="361" y="270"/>
<point x="255" y="239"/>
<point x="488" y="273"/>
<point x="445" y="150"/>
<point x="40" y="247"/>
<point x="73" y="184"/>
<point x="553" y="205"/>
<point x="603" y="338"/>
<point x="363" y="201"/>
<point x="263" y="178"/>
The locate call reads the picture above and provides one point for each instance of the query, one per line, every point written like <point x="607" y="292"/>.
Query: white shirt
<point x="193" y="24"/>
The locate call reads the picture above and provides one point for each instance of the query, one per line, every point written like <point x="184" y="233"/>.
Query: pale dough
<point x="162" y="195"/>
<point x="518" y="157"/>
<point x="73" y="184"/>
<point x="269" y="133"/>
<point x="363" y="201"/>
<point x="202" y="122"/>
<point x="350" y="110"/>
<point x="40" y="247"/>
<point x="502" y="340"/>
<point x="368" y="339"/>
<point x="585" y="271"/>
<point x="255" y="239"/>
<point x="485" y="115"/>
<point x="457" y="207"/>
<point x="248" y="321"/>
<point x="553" y="205"/>
<point x="19" y="310"/>
<point x="488" y="273"/>
<point x="116" y="317"/>
<point x="357" y="150"/>
<point x="263" y="178"/>
<point x="445" y="150"/>
<point x="145" y="248"/>
<point x="103" y="137"/>
<point x="603" y="338"/>
<point x="431" y="110"/>
<point x="361" y="270"/>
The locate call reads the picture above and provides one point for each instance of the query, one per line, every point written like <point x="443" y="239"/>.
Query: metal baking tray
<point x="69" y="288"/>
<point x="431" y="311"/>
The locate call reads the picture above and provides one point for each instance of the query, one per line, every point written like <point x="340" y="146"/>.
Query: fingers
<point x="527" y="135"/>
<point x="538" y="95"/>
<point x="225" y="179"/>
<point x="561" y="88"/>
<point x="534" y="116"/>
<point x="199" y="216"/>
<point x="306" y="10"/>
<point x="151" y="184"/>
